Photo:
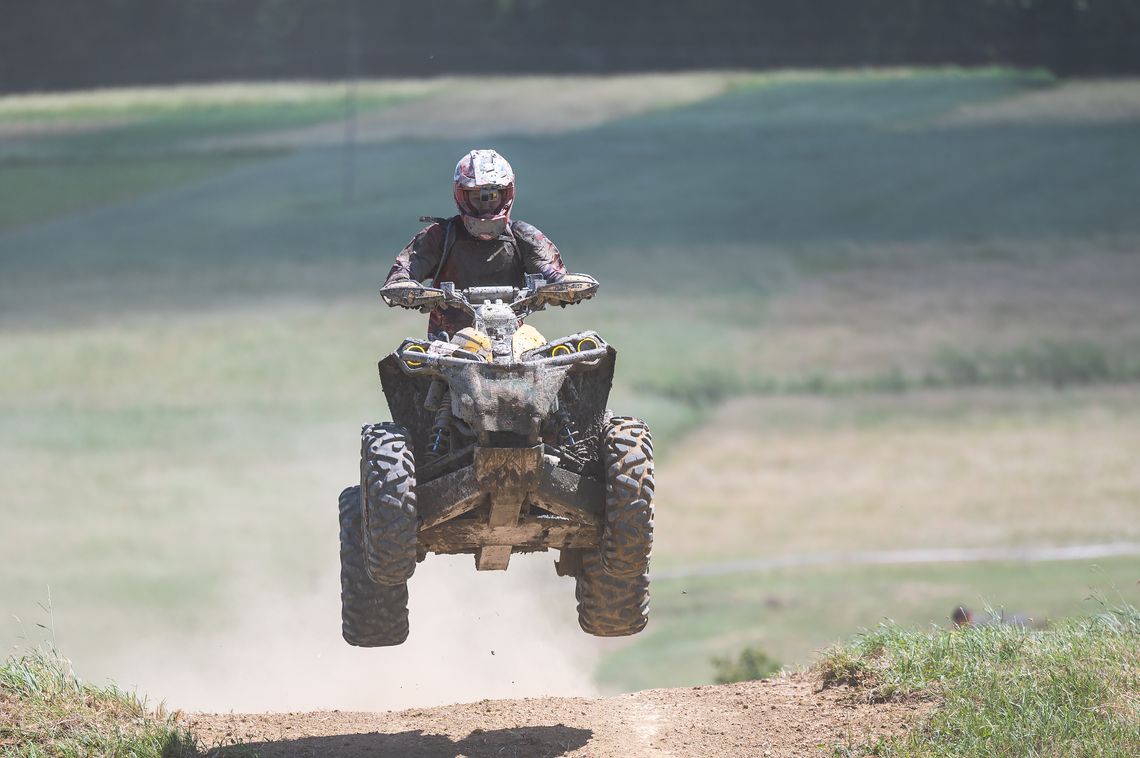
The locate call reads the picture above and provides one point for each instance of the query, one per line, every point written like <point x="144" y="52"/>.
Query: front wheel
<point x="391" y="523"/>
<point x="627" y="536"/>
<point x="610" y="606"/>
<point x="372" y="615"/>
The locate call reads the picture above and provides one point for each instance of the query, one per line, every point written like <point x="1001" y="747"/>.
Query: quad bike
<point x="500" y="443"/>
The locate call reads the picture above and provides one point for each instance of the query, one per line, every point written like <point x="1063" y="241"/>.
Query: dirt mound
<point x="786" y="716"/>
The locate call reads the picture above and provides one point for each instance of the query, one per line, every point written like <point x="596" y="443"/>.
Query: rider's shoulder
<point x="528" y="232"/>
<point x="436" y="225"/>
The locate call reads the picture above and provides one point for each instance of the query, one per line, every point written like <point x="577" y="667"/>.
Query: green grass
<point x="794" y="614"/>
<point x="1057" y="363"/>
<point x="165" y="129"/>
<point x="47" y="711"/>
<point x="833" y="169"/>
<point x="145" y="145"/>
<point x="1048" y="362"/>
<point x="35" y="191"/>
<point x="1004" y="690"/>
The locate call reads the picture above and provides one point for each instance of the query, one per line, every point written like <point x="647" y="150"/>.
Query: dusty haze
<point x="474" y="635"/>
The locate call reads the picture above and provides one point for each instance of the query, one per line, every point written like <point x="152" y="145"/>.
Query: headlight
<point x="414" y="349"/>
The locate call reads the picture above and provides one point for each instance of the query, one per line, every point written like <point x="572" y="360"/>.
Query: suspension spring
<point x="439" y="441"/>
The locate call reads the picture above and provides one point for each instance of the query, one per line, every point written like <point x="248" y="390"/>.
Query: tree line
<point x="54" y="44"/>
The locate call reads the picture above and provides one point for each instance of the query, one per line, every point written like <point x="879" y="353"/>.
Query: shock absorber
<point x="569" y="437"/>
<point x="439" y="441"/>
<point x="566" y="435"/>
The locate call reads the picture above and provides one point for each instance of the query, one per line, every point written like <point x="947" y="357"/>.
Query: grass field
<point x="67" y="153"/>
<point x="1002" y="690"/>
<point x="949" y="468"/>
<point x="188" y="330"/>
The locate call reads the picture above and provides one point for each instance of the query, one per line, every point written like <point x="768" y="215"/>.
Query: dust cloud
<point x="473" y="635"/>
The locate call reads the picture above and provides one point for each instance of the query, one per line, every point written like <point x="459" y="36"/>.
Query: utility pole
<point x="352" y="49"/>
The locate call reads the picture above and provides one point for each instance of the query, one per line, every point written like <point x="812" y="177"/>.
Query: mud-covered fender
<point x="405" y="395"/>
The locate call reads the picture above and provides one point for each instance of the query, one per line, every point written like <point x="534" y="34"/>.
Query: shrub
<point x="752" y="663"/>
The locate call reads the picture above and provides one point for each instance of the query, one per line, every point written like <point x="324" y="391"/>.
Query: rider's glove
<point x="400" y="293"/>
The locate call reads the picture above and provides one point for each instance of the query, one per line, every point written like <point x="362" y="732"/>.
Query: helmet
<point x="484" y="192"/>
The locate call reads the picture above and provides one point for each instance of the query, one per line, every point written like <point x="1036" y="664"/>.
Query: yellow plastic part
<point x="472" y="341"/>
<point x="526" y="338"/>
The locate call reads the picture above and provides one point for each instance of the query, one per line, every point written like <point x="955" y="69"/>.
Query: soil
<point x="785" y="716"/>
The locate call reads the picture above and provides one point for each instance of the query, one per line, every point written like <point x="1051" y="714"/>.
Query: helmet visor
<point x="486" y="202"/>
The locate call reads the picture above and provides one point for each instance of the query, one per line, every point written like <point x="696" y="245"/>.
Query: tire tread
<point x="391" y="523"/>
<point x="372" y="615"/>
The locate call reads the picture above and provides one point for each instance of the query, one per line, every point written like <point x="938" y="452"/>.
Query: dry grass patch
<point x="476" y="107"/>
<point x="1076" y="102"/>
<point x="779" y="476"/>
<point x="130" y="100"/>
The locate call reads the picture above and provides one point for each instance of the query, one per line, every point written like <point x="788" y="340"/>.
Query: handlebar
<point x="490" y="294"/>
<point x="572" y="288"/>
<point x="439" y="361"/>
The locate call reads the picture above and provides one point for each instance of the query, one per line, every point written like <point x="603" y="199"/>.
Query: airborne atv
<point x="500" y="443"/>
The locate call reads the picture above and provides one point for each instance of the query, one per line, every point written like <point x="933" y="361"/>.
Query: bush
<point x="752" y="663"/>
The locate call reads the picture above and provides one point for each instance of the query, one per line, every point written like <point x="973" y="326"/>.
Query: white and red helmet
<point x="484" y="192"/>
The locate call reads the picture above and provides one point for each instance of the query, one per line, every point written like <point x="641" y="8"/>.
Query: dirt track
<point x="788" y="716"/>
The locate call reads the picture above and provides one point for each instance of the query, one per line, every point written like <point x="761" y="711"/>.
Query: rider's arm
<point x="540" y="255"/>
<point x="419" y="258"/>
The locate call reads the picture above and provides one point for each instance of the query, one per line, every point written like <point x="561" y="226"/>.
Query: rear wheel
<point x="388" y="481"/>
<point x="610" y="606"/>
<point x="627" y="537"/>
<point x="372" y="615"/>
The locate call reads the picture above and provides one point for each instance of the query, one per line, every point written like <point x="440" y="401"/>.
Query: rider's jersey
<point x="521" y="249"/>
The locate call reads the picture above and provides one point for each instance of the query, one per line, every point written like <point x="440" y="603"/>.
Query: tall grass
<point x="46" y="710"/>
<point x="1003" y="690"/>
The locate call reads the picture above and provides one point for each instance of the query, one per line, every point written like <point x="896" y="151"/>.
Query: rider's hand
<point x="571" y="289"/>
<point x="400" y="292"/>
<point x="402" y="284"/>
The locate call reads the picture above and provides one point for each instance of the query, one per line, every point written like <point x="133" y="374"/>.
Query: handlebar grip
<point x="481" y="294"/>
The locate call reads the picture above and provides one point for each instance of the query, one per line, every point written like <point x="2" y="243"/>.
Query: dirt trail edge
<point x="785" y="716"/>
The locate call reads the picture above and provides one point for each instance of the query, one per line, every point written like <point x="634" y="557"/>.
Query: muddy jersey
<point x="471" y="262"/>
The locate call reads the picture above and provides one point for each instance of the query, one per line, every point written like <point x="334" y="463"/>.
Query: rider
<point x="481" y="246"/>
